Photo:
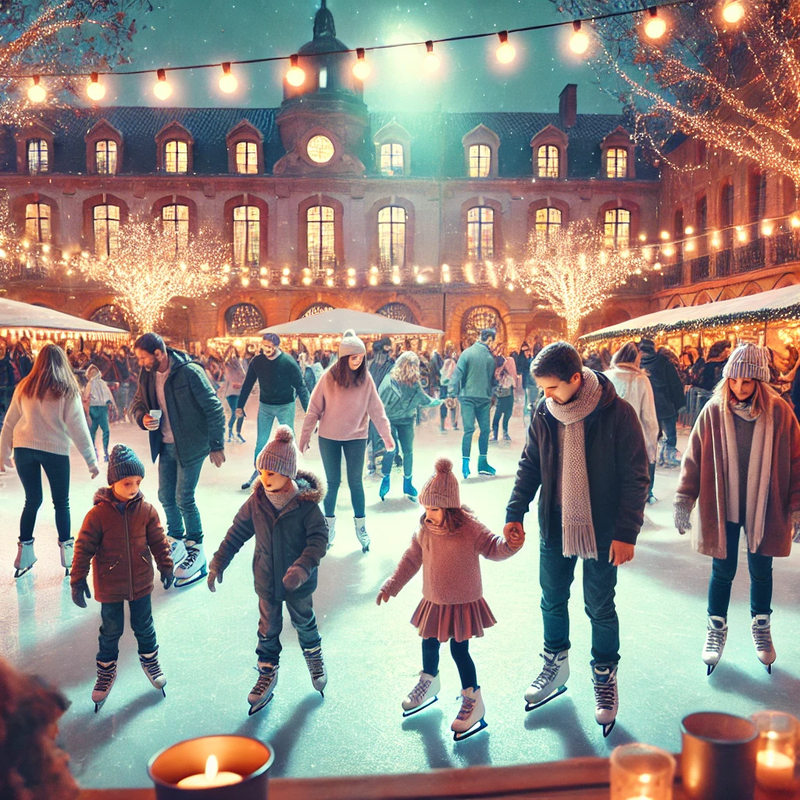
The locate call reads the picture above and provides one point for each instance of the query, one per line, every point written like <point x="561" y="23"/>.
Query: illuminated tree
<point x="147" y="269"/>
<point x="10" y="247"/>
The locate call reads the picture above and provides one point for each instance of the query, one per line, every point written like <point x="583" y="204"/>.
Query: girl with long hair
<point x="234" y="372"/>
<point x="44" y="419"/>
<point x="343" y="401"/>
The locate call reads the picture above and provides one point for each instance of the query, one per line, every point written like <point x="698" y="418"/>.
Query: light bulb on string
<point x="161" y="89"/>
<point x="506" y="51"/>
<point x="37" y="93"/>
<point x="579" y="41"/>
<point x="361" y="69"/>
<point x="655" y="27"/>
<point x="95" y="90"/>
<point x="228" y="82"/>
<point x="295" y="75"/>
<point x="733" y="12"/>
<point x="431" y="61"/>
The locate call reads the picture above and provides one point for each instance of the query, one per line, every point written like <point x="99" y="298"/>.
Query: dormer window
<point x="103" y="149"/>
<point x="105" y="157"/>
<point x="247" y="158"/>
<point x="481" y="146"/>
<point x="392" y="158"/>
<point x="174" y="145"/>
<point x="38" y="153"/>
<point x="245" y="149"/>
<point x="616" y="162"/>
<point x="393" y="150"/>
<point x="176" y="157"/>
<point x="480" y="161"/>
<point x="548" y="161"/>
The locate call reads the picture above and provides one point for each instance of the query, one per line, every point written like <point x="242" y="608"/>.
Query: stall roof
<point x="336" y="321"/>
<point x="15" y="315"/>
<point x="776" y="304"/>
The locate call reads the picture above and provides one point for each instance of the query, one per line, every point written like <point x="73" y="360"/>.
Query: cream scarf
<point x="576" y="510"/>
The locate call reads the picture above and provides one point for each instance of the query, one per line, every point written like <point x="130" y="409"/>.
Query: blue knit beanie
<point x="123" y="463"/>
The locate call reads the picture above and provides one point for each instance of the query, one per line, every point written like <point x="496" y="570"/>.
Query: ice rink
<point x="372" y="653"/>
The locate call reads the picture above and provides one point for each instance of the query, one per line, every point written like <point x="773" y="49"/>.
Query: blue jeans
<point x="99" y="417"/>
<point x="30" y="464"/>
<point x="124" y="395"/>
<point x="403" y="434"/>
<point x="233" y="401"/>
<point x="472" y="409"/>
<point x="113" y="616"/>
<point x="267" y="413"/>
<point x="331" y="451"/>
<point x="176" y="485"/>
<point x="668" y="425"/>
<point x="723" y="571"/>
<point x="556" y="574"/>
<point x="270" y="624"/>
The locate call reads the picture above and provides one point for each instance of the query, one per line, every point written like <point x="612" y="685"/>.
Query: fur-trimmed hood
<point x="309" y="485"/>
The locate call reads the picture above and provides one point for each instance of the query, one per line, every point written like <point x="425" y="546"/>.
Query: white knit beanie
<point x="279" y="455"/>
<point x="441" y="489"/>
<point x="351" y="345"/>
<point x="748" y="361"/>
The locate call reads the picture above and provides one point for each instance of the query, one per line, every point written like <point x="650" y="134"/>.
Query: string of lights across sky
<point x="654" y="27"/>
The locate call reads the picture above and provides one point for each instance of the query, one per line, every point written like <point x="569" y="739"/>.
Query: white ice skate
<point x="422" y="695"/>
<point x="551" y="681"/>
<point x="25" y="559"/>
<point x="265" y="686"/>
<point x="67" y="552"/>
<point x="470" y="719"/>
<point x="177" y="550"/>
<point x="152" y="669"/>
<point x="331" y="523"/>
<point x="606" y="696"/>
<point x="316" y="668"/>
<point x="762" y="638"/>
<point x="106" y="675"/>
<point x="193" y="568"/>
<point x="716" y="635"/>
<point x="361" y="533"/>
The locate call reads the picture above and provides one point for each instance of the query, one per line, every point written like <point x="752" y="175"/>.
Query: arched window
<point x="480" y="160"/>
<point x="478" y="318"/>
<point x="246" y="236"/>
<point x="105" y="226"/>
<point x="38" y="228"/>
<point x="616" y="162"/>
<point x="175" y="217"/>
<point x="547" y="159"/>
<point x="176" y="157"/>
<point x="105" y="157"/>
<point x="398" y="311"/>
<point x="38" y="156"/>
<point x="392" y="236"/>
<point x="480" y="233"/>
<point x="243" y="319"/>
<point x="391" y="159"/>
<point x="548" y="220"/>
<point x="617" y="227"/>
<point x="320" y="233"/>
<point x="317" y="308"/>
<point x="247" y="158"/>
<point x="111" y="315"/>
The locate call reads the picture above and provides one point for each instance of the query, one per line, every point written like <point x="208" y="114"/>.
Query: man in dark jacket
<point x="669" y="396"/>
<point x="189" y="425"/>
<point x="380" y="366"/>
<point x="523" y="362"/>
<point x="585" y="453"/>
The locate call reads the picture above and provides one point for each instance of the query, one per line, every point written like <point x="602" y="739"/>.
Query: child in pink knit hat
<point x="447" y="547"/>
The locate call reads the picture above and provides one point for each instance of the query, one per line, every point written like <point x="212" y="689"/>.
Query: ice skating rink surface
<point x="373" y="655"/>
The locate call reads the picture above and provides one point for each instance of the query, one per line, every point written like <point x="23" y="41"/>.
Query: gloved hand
<point x="796" y="534"/>
<point x="167" y="576"/>
<point x="681" y="511"/>
<point x="294" y="578"/>
<point x="214" y="577"/>
<point x="80" y="591"/>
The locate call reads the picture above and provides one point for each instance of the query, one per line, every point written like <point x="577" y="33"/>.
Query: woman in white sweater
<point x="45" y="417"/>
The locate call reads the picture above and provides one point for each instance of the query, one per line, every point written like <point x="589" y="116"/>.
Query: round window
<point x="320" y="149"/>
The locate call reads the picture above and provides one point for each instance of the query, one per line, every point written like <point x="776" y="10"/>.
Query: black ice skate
<point x="762" y="639"/>
<point x="606" y="696"/>
<point x="193" y="568"/>
<point x="716" y="636"/>
<point x="152" y="669"/>
<point x="470" y="719"/>
<point x="424" y="694"/>
<point x="551" y="681"/>
<point x="316" y="668"/>
<point x="106" y="675"/>
<point x="265" y="686"/>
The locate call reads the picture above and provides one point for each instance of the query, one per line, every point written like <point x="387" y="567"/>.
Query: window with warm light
<point x="105" y="157"/>
<point x="175" y="218"/>
<point x="548" y="164"/>
<point x="38" y="156"/>
<point x="391" y="159"/>
<point x="480" y="233"/>
<point x="176" y="157"/>
<point x="246" y="236"/>
<point x="480" y="160"/>
<point x="616" y="162"/>
<point x="392" y="236"/>
<point x="105" y="226"/>
<point x="247" y="158"/>
<point x="38" y="227"/>
<point x="548" y="220"/>
<point x="320" y="235"/>
<point x="617" y="228"/>
<point x="320" y="149"/>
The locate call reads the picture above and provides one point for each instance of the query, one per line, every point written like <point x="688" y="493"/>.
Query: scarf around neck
<point x="576" y="510"/>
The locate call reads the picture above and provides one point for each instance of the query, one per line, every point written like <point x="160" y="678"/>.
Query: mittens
<point x="167" y="576"/>
<point x="80" y="591"/>
<point x="214" y="577"/>
<point x="294" y="578"/>
<point x="681" y="510"/>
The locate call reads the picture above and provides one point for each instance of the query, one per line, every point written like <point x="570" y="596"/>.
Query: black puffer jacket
<point x="667" y="387"/>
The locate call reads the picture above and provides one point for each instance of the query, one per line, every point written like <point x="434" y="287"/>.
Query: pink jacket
<point x="343" y="414"/>
<point x="451" y="572"/>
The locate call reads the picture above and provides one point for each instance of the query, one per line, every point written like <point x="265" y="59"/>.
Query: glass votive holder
<point x="641" y="772"/>
<point x="212" y="768"/>
<point x="777" y="750"/>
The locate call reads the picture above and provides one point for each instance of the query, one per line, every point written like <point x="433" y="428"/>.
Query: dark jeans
<point x="668" y="425"/>
<point x="460" y="653"/>
<point x="270" y="624"/>
<point x="233" y="401"/>
<point x="113" y="616"/>
<point x="99" y="417"/>
<point x="176" y="486"/>
<point x="556" y="574"/>
<point x="30" y="464"/>
<point x="124" y="395"/>
<point x="504" y="409"/>
<point x="475" y="409"/>
<point x="331" y="451"/>
<point x="723" y="571"/>
<point x="403" y="434"/>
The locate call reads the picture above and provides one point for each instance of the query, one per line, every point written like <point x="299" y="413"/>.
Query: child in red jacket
<point x="117" y="536"/>
<point x="447" y="547"/>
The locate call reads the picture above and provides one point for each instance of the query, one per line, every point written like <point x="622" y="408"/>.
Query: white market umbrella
<point x="25" y="319"/>
<point x="335" y="321"/>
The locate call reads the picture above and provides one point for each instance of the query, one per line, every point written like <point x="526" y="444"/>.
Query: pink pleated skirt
<point x="460" y="621"/>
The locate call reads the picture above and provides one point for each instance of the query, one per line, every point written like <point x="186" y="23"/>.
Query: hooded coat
<point x="667" y="387"/>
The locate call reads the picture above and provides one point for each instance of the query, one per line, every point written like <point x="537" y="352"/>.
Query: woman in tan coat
<point x="742" y="468"/>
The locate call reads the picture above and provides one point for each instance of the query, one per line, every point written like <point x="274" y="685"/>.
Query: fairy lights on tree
<point x="148" y="269"/>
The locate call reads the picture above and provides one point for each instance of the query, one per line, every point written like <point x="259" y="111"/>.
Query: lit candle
<point x="211" y="777"/>
<point x="774" y="770"/>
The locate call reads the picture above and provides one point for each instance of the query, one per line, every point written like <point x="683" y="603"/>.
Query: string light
<point x="295" y="75"/>
<point x="579" y="42"/>
<point x="228" y="82"/>
<point x="505" y="51"/>
<point x="161" y="89"/>
<point x="733" y="12"/>
<point x="431" y="61"/>
<point x="37" y="93"/>
<point x="655" y="27"/>
<point x="95" y="90"/>
<point x="361" y="69"/>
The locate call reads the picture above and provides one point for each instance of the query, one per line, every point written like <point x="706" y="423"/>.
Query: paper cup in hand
<point x="156" y="413"/>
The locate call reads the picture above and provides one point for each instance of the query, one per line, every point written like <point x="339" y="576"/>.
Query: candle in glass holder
<point x="776" y="759"/>
<point x="641" y="772"/>
<point x="211" y="777"/>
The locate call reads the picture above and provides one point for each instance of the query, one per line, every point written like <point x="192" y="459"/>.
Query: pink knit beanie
<point x="279" y="455"/>
<point x="441" y="489"/>
<point x="351" y="345"/>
